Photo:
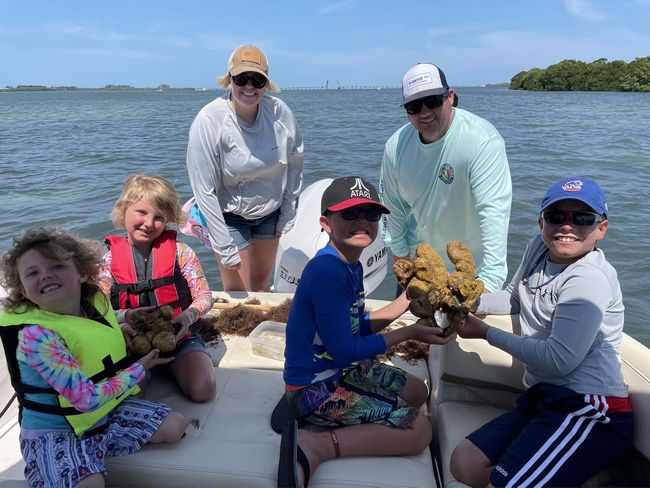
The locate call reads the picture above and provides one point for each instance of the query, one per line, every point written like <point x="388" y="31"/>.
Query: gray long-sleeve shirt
<point x="247" y="170"/>
<point x="571" y="321"/>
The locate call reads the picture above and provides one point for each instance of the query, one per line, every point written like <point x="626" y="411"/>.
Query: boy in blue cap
<point x="575" y="416"/>
<point x="331" y="379"/>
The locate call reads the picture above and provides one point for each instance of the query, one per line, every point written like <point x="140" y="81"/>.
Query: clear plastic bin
<point x="268" y="339"/>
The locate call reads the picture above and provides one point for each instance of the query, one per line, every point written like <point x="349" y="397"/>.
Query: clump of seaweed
<point x="241" y="320"/>
<point x="280" y="313"/>
<point x="410" y="351"/>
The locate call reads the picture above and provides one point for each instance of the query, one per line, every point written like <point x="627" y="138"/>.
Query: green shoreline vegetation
<point x="599" y="75"/>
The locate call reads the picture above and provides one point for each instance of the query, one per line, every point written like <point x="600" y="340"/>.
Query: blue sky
<point x="145" y="43"/>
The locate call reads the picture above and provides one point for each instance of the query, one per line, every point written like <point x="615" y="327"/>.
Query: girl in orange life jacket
<point x="149" y="267"/>
<point x="67" y="359"/>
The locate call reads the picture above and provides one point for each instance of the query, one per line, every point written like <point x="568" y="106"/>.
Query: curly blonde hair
<point x="52" y="243"/>
<point x="157" y="190"/>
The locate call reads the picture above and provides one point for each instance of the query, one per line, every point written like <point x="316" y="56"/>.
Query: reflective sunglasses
<point x="432" y="102"/>
<point x="256" y="79"/>
<point x="353" y="213"/>
<point x="557" y="217"/>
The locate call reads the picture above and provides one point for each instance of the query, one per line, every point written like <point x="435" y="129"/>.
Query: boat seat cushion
<point x="235" y="445"/>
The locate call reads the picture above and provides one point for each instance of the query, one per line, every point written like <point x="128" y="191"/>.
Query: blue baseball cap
<point x="576" y="188"/>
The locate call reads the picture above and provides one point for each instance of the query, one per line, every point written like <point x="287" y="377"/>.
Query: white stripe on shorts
<point x="570" y="435"/>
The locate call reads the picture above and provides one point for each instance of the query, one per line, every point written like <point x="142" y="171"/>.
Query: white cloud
<point x="342" y="6"/>
<point x="92" y="33"/>
<point x="582" y="10"/>
<point x="115" y="53"/>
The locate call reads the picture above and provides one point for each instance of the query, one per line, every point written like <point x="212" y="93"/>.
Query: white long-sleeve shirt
<point x="457" y="187"/>
<point x="247" y="170"/>
<point x="571" y="320"/>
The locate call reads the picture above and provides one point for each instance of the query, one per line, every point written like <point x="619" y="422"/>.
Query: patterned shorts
<point x="62" y="459"/>
<point x="367" y="393"/>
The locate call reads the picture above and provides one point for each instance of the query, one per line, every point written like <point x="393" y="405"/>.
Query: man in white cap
<point x="445" y="176"/>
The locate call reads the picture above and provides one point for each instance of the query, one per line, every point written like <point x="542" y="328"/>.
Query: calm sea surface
<point x="65" y="155"/>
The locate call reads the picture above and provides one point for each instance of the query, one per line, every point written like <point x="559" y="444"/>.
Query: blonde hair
<point x="157" y="190"/>
<point x="52" y="243"/>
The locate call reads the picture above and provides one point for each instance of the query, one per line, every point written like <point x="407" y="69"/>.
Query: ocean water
<point x="65" y="155"/>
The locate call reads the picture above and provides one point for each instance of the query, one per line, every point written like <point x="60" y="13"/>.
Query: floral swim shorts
<point x="367" y="393"/>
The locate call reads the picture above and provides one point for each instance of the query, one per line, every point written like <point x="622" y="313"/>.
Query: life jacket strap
<point x="144" y="285"/>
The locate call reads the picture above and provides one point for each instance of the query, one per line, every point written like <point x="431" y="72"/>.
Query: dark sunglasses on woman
<point x="353" y="213"/>
<point x="432" y="102"/>
<point x="256" y="79"/>
<point x="557" y="217"/>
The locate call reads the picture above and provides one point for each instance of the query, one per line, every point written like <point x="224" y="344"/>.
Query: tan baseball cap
<point x="249" y="58"/>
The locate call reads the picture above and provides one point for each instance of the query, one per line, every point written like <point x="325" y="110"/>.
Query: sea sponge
<point x="154" y="330"/>
<point x="431" y="288"/>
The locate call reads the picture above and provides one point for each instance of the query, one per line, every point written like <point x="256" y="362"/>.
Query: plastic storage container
<point x="268" y="339"/>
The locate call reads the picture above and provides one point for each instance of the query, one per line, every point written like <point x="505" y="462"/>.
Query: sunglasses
<point x="557" y="217"/>
<point x="256" y="79"/>
<point x="353" y="213"/>
<point x="432" y="102"/>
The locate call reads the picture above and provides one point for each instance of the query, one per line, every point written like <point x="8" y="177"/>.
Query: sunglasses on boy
<point x="432" y="102"/>
<point x="256" y="79"/>
<point x="584" y="218"/>
<point x="353" y="213"/>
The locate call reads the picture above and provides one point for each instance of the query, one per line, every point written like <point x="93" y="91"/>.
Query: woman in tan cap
<point x="244" y="159"/>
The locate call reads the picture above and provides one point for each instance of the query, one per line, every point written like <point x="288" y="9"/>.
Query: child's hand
<point x="429" y="335"/>
<point x="151" y="359"/>
<point x="473" y="328"/>
<point x="183" y="321"/>
<point x="128" y="332"/>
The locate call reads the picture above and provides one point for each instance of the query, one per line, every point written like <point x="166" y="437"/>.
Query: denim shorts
<point x="192" y="344"/>
<point x="243" y="231"/>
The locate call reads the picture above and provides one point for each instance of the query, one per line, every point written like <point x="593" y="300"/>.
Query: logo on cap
<point x="359" y="190"/>
<point x="252" y="56"/>
<point x="419" y="79"/>
<point x="572" y="185"/>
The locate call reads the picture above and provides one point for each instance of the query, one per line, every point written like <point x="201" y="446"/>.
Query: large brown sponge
<point x="431" y="287"/>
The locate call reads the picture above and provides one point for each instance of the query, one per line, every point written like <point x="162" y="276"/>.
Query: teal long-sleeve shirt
<point x="457" y="187"/>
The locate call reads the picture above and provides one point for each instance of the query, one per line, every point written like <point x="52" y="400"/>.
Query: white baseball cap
<point x="423" y="80"/>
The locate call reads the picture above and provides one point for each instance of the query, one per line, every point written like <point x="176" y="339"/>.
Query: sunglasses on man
<point x="256" y="79"/>
<point x="432" y="102"/>
<point x="583" y="218"/>
<point x="353" y="213"/>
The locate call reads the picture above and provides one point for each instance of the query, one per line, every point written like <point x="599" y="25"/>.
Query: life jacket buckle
<point x="140" y="286"/>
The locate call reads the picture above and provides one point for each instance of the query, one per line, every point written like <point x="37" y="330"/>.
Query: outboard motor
<point x="300" y="244"/>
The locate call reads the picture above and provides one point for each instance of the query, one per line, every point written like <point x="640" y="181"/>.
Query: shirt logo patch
<point x="446" y="174"/>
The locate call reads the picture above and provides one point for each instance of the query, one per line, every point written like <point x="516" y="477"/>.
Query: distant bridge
<point x="351" y="87"/>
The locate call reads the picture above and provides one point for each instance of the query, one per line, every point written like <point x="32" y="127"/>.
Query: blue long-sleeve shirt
<point x="328" y="328"/>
